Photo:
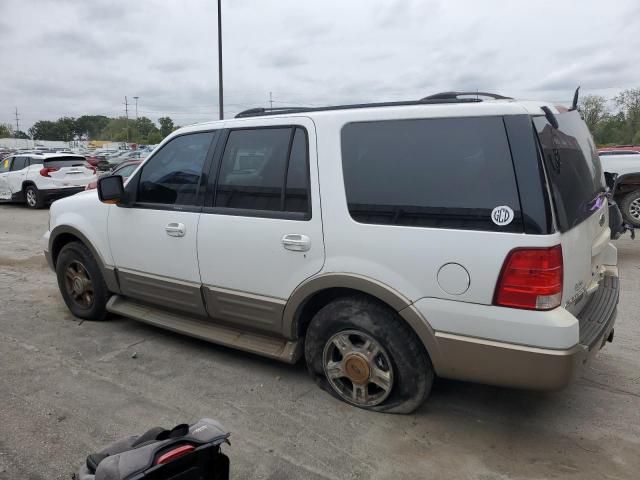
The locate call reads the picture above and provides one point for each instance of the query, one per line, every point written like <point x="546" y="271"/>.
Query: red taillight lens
<point x="46" y="170"/>
<point x="531" y="278"/>
<point x="175" y="453"/>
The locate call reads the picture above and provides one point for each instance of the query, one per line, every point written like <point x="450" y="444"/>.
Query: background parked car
<point x="125" y="169"/>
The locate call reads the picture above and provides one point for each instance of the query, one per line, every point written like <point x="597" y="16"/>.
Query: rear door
<point x="577" y="187"/>
<point x="260" y="234"/>
<point x="5" y="166"/>
<point x="69" y="171"/>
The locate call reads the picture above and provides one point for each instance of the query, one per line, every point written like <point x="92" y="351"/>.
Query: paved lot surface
<point x="67" y="387"/>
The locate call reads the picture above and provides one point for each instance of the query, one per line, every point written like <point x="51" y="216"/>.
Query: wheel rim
<point x="634" y="209"/>
<point x="358" y="368"/>
<point x="78" y="284"/>
<point x="31" y="198"/>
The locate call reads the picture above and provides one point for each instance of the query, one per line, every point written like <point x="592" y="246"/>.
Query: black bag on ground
<point x="186" y="452"/>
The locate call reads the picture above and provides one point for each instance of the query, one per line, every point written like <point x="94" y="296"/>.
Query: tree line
<point x="620" y="127"/>
<point x="96" y="127"/>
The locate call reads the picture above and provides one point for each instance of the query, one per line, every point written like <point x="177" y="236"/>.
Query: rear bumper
<point x="52" y="194"/>
<point x="507" y="364"/>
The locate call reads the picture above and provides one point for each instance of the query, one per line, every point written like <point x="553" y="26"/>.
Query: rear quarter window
<point x="445" y="172"/>
<point x="573" y="168"/>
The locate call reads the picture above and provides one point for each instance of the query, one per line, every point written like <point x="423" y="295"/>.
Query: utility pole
<point x="271" y="100"/>
<point x="220" y="95"/>
<point x="17" y="122"/>
<point x="126" y="112"/>
<point x="136" y="99"/>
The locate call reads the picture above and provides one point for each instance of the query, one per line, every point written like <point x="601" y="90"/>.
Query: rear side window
<point x="572" y="166"/>
<point x="265" y="169"/>
<point x="19" y="163"/>
<point x="447" y="172"/>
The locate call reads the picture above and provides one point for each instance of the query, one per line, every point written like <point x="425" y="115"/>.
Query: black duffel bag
<point x="186" y="452"/>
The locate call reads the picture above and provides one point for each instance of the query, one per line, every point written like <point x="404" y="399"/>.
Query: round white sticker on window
<point x="502" y="215"/>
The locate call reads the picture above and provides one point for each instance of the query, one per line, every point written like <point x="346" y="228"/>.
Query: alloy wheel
<point x="31" y="198"/>
<point x="358" y="368"/>
<point x="78" y="284"/>
<point x="634" y="209"/>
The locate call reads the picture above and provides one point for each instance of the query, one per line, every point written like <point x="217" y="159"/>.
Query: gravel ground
<point x="68" y="387"/>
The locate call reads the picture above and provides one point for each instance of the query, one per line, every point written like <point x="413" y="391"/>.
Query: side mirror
<point x="110" y="189"/>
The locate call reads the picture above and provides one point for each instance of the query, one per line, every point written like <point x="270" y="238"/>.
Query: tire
<point x="81" y="282"/>
<point x="358" y="326"/>
<point x="630" y="207"/>
<point x="33" y="197"/>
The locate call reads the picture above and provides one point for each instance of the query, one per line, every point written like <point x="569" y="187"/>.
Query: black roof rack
<point x="433" y="99"/>
<point x="457" y="95"/>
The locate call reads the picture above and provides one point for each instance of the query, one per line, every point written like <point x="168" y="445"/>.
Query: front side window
<point x="172" y="176"/>
<point x="19" y="163"/>
<point x="265" y="169"/>
<point x="444" y="172"/>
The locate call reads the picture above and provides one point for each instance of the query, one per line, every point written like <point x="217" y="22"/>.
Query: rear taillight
<point x="531" y="278"/>
<point x="46" y="170"/>
<point x="175" y="453"/>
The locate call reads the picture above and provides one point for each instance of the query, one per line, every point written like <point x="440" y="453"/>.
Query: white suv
<point x="384" y="243"/>
<point x="39" y="178"/>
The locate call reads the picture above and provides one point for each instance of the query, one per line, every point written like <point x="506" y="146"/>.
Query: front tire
<point x="363" y="353"/>
<point x="81" y="282"/>
<point x="33" y="197"/>
<point x="630" y="207"/>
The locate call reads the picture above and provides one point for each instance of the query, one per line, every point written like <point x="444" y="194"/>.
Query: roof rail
<point x="457" y="95"/>
<point x="253" y="112"/>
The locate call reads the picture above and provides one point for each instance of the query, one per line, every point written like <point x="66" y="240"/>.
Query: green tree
<point x="6" y="130"/>
<point x="594" y="110"/>
<point x="21" y="134"/>
<point x="145" y="127"/>
<point x="629" y="103"/>
<point x="44" y="130"/>
<point x="154" y="138"/>
<point x="90" y="126"/>
<point x="166" y="126"/>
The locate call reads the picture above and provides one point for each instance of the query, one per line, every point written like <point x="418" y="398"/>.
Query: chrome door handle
<point x="296" y="242"/>
<point x="175" y="229"/>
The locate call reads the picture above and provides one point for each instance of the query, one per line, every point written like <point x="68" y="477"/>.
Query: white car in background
<point x="627" y="185"/>
<point x="39" y="178"/>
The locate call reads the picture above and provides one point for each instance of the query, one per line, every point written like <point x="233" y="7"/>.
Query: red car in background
<point x="620" y="150"/>
<point x="125" y="169"/>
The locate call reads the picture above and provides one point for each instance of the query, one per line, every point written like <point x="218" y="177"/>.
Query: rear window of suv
<point x="444" y="172"/>
<point x="573" y="168"/>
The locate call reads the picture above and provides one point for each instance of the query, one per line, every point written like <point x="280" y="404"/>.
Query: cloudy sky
<point x="74" y="57"/>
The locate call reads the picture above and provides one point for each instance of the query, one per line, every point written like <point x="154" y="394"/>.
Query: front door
<point x="260" y="233"/>
<point x="153" y="242"/>
<point x="17" y="174"/>
<point x="5" y="166"/>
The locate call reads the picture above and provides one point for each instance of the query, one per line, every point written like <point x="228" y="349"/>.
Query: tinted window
<point x="172" y="175"/>
<point x="125" y="171"/>
<point x="448" y="172"/>
<point x="572" y="166"/>
<point x="19" y="163"/>
<point x="255" y="166"/>
<point x="297" y="194"/>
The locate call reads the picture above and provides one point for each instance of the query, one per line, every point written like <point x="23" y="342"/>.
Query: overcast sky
<point x="74" y="57"/>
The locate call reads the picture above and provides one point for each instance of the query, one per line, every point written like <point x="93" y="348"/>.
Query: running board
<point x="271" y="347"/>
